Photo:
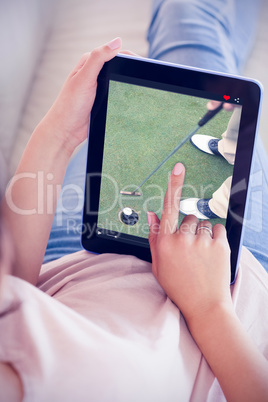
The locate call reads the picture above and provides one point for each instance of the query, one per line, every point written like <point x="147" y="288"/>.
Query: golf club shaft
<point x="207" y="117"/>
<point x="168" y="156"/>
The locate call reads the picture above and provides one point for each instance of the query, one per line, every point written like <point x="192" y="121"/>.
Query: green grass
<point x="143" y="126"/>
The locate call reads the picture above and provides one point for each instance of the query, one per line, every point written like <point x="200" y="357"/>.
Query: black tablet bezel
<point x="161" y="75"/>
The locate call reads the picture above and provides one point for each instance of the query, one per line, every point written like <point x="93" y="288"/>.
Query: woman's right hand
<point x="193" y="267"/>
<point x="212" y="104"/>
<point x="191" y="264"/>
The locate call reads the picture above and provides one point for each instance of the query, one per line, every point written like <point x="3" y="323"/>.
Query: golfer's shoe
<point x="198" y="207"/>
<point x="206" y="143"/>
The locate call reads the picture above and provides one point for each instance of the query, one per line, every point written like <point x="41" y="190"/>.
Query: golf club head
<point x="133" y="193"/>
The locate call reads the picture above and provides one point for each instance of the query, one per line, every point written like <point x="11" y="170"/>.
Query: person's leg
<point x="216" y="35"/>
<point x="227" y="145"/>
<point x="66" y="229"/>
<point x="217" y="205"/>
<point x="256" y="218"/>
<point x="211" y="34"/>
<point x="220" y="199"/>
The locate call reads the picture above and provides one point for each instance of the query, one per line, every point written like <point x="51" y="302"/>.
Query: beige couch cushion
<point x="24" y="26"/>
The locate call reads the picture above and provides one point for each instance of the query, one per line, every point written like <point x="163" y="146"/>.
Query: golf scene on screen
<point x="147" y="132"/>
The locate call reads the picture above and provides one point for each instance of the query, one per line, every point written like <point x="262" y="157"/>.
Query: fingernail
<point x="149" y="218"/>
<point x="114" y="44"/>
<point x="178" y="168"/>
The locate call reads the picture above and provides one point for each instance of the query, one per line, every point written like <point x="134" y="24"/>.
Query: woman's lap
<point x="182" y="32"/>
<point x="67" y="225"/>
<point x="211" y="34"/>
<point x="256" y="217"/>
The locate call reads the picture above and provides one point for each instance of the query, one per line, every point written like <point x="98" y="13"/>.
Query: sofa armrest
<point x="24" y="27"/>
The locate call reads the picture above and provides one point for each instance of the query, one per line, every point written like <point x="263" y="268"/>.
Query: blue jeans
<point x="211" y="34"/>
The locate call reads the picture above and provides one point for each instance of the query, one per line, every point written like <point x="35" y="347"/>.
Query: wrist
<point x="60" y="138"/>
<point x="46" y="151"/>
<point x="204" y="324"/>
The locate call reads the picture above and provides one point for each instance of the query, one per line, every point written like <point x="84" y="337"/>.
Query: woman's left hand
<point x="69" y="115"/>
<point x="28" y="209"/>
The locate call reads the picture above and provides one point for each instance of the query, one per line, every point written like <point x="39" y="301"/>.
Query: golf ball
<point x="128" y="216"/>
<point x="127" y="211"/>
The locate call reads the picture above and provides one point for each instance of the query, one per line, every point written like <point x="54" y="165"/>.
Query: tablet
<point x="147" y="116"/>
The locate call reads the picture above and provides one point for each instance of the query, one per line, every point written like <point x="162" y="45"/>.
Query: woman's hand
<point x="191" y="264"/>
<point x="69" y="115"/>
<point x="212" y="104"/>
<point x="28" y="209"/>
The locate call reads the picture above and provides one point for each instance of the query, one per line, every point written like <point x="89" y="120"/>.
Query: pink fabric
<point x="101" y="328"/>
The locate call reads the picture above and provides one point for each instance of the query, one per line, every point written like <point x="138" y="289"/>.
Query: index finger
<point x="170" y="215"/>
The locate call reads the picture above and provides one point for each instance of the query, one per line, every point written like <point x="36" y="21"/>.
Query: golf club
<point x="207" y="117"/>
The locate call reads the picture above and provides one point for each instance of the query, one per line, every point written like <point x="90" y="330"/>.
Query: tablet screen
<point x="142" y="124"/>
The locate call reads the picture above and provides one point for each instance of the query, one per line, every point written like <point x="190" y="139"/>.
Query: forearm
<point x="31" y="199"/>
<point x="10" y="384"/>
<point x="32" y="195"/>
<point x="240" y="368"/>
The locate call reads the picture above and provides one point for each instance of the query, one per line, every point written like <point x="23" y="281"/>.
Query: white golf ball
<point x="127" y="211"/>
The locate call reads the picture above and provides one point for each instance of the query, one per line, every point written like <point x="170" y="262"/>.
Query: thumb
<point x="153" y="223"/>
